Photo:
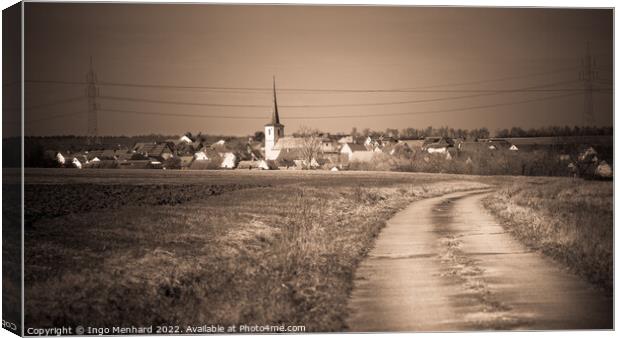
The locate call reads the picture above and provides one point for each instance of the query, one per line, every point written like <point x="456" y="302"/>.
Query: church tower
<point x="273" y="130"/>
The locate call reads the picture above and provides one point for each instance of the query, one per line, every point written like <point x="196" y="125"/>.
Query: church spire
<point x="275" y="117"/>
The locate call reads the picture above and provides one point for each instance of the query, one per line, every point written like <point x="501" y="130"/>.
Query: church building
<point x="290" y="149"/>
<point x="274" y="130"/>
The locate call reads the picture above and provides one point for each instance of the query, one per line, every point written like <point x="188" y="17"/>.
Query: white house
<point x="437" y="149"/>
<point x="201" y="156"/>
<point x="229" y="161"/>
<point x="186" y="139"/>
<point x="76" y="163"/>
<point x="61" y="158"/>
<point x="349" y="149"/>
<point x="437" y="145"/>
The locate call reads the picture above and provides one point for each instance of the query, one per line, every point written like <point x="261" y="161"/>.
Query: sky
<point x="172" y="68"/>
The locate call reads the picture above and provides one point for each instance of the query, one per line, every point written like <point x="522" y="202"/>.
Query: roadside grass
<point x="284" y="254"/>
<point x="568" y="220"/>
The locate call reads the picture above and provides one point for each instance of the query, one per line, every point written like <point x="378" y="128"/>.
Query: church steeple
<point x="275" y="117"/>
<point x="274" y="130"/>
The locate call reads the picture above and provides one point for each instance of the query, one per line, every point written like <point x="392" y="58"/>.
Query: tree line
<point x="482" y="133"/>
<point x="554" y="131"/>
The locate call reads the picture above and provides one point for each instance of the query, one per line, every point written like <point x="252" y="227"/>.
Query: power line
<point x="62" y="82"/>
<point x="424" y="89"/>
<point x="132" y="99"/>
<point x="516" y="90"/>
<point x="317" y="90"/>
<point x="57" y="102"/>
<point x="55" y="116"/>
<point x="559" y="70"/>
<point x="314" y="117"/>
<point x="476" y="107"/>
<point x="184" y="114"/>
<point x="440" y="90"/>
<point x="49" y="104"/>
<point x="310" y="117"/>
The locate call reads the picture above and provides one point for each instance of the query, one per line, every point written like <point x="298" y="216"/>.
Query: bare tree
<point x="310" y="145"/>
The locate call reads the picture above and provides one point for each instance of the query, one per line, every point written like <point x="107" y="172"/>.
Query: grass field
<point x="137" y="248"/>
<point x="568" y="220"/>
<point x="267" y="248"/>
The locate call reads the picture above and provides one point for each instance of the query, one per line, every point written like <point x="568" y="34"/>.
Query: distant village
<point x="333" y="152"/>
<point x="310" y="149"/>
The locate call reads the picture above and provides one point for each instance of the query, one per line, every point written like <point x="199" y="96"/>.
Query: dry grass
<point x="283" y="254"/>
<point x="569" y="220"/>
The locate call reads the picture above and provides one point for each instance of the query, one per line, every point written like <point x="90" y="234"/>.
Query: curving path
<point x="445" y="264"/>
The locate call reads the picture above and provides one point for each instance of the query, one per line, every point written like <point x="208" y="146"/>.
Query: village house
<point x="413" y="144"/>
<point x="329" y="146"/>
<point x="62" y="158"/>
<point x="437" y="145"/>
<point x="386" y="141"/>
<point x="399" y="149"/>
<point x="348" y="149"/>
<point x="184" y="146"/>
<point x="346" y="139"/>
<point x="101" y="164"/>
<point x="220" y="146"/>
<point x="252" y="153"/>
<point x="206" y="154"/>
<point x="500" y="144"/>
<point x="228" y="157"/>
<point x="183" y="139"/>
<point x="76" y="163"/>
<point x="229" y="161"/>
<point x="186" y="139"/>
<point x="254" y="164"/>
<point x="158" y="151"/>
<point x="370" y="144"/>
<point x="68" y="160"/>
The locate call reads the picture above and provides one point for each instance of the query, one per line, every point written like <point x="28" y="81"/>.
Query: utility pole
<point x="92" y="92"/>
<point x="588" y="75"/>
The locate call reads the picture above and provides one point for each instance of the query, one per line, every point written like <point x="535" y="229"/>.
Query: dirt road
<point x="445" y="264"/>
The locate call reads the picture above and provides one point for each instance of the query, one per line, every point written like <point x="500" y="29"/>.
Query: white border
<point x="435" y="3"/>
